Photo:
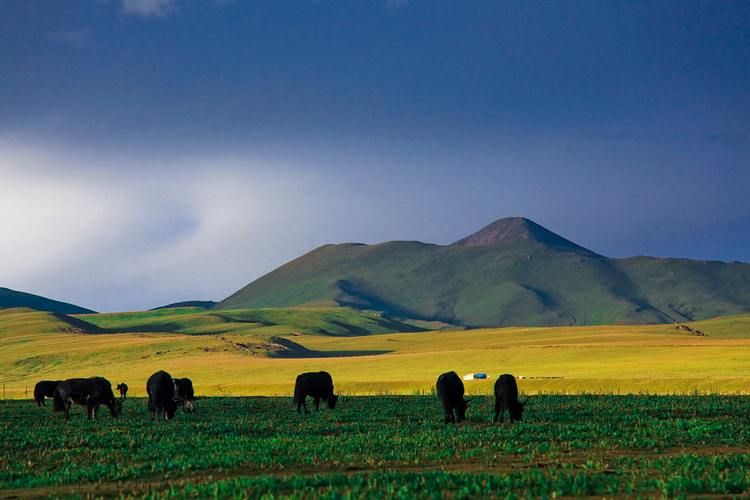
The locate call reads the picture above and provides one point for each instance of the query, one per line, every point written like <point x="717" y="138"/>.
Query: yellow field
<point x="611" y="359"/>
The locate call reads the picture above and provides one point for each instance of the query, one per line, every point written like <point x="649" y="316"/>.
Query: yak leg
<point x="499" y="410"/>
<point x="317" y="403"/>
<point x="449" y="418"/>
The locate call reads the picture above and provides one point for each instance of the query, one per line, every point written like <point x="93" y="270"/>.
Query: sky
<point x="156" y="151"/>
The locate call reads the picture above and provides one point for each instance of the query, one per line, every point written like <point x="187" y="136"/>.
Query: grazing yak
<point x="89" y="392"/>
<point x="450" y="392"/>
<point x="123" y="390"/>
<point x="44" y="388"/>
<point x="318" y="385"/>
<point x="184" y="395"/>
<point x="161" y="391"/>
<point x="506" y="397"/>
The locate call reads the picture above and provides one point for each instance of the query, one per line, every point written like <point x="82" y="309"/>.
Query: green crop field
<point x="602" y="446"/>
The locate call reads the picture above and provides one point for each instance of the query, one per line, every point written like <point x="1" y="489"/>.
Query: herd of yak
<point x="165" y="394"/>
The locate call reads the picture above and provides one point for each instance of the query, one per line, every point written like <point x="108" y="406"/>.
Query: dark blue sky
<point x="161" y="150"/>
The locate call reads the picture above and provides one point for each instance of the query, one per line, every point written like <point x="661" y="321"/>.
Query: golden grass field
<point x="656" y="359"/>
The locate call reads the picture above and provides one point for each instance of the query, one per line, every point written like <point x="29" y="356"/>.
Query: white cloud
<point x="112" y="232"/>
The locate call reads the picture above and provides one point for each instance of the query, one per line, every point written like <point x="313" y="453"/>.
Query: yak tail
<point x="58" y="405"/>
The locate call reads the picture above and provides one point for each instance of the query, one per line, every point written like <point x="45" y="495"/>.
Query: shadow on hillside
<point x="280" y="347"/>
<point x="349" y="354"/>
<point x="78" y="325"/>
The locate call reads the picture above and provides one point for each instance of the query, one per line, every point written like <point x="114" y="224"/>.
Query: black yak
<point x="123" y="390"/>
<point x="318" y="385"/>
<point x="89" y="392"/>
<point x="506" y="397"/>
<point x="450" y="391"/>
<point x="161" y="391"/>
<point x="44" y="388"/>
<point x="184" y="394"/>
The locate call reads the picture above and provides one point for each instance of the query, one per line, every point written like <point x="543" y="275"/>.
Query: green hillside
<point x="518" y="283"/>
<point x="262" y="352"/>
<point x="24" y="319"/>
<point x="691" y="289"/>
<point x="511" y="273"/>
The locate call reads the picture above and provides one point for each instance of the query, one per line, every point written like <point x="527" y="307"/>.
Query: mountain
<point x="511" y="273"/>
<point x="11" y="299"/>
<point x="515" y="229"/>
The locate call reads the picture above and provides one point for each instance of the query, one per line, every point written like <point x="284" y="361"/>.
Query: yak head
<point x="461" y="408"/>
<point x="332" y="401"/>
<point x="190" y="405"/>
<point x="516" y="410"/>
<point x="116" y="409"/>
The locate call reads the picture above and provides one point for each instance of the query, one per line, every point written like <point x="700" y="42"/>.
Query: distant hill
<point x="11" y="299"/>
<point x="205" y="304"/>
<point x="511" y="273"/>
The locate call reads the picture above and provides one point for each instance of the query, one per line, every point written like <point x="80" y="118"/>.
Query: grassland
<point x="260" y="352"/>
<point x="601" y="446"/>
<point x="625" y="442"/>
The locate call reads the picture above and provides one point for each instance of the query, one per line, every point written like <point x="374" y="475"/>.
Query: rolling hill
<point x="260" y="352"/>
<point x="11" y="298"/>
<point x="511" y="273"/>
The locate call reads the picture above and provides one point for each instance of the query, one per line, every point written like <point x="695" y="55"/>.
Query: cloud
<point x="112" y="232"/>
<point x="159" y="8"/>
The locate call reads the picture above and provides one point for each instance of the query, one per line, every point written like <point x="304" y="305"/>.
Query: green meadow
<point x="372" y="447"/>
<point x="260" y="352"/>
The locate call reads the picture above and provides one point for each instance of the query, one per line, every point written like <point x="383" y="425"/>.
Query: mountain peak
<point x="514" y="229"/>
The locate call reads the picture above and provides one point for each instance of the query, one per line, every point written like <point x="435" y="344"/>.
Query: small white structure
<point x="469" y="376"/>
<point x="475" y="376"/>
